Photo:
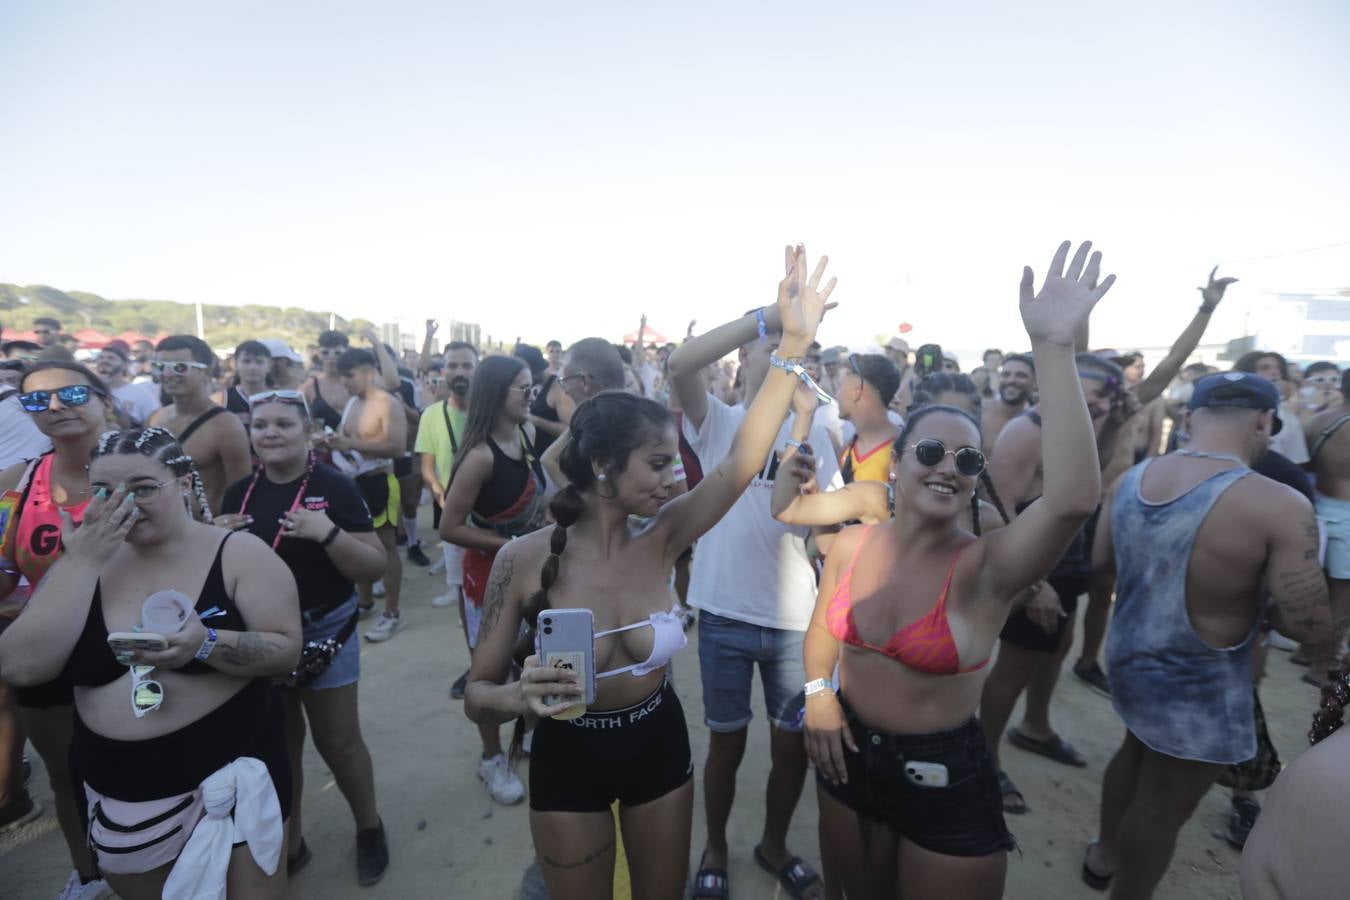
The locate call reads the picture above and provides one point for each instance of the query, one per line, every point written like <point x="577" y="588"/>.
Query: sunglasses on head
<point x="177" y="368"/>
<point x="295" y="398"/>
<point x="930" y="451"/>
<point x="70" y="395"/>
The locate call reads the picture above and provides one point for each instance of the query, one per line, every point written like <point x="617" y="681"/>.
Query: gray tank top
<point x="1177" y="694"/>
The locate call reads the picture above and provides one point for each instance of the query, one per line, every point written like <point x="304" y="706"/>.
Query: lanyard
<point x="445" y="411"/>
<point x="295" y="504"/>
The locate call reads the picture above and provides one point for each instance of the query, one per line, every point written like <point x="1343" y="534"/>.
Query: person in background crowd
<point x="867" y="385"/>
<point x="495" y="494"/>
<point x="315" y="519"/>
<point x="136" y="401"/>
<point x="217" y="442"/>
<point x="1329" y="442"/>
<point x="370" y="435"/>
<point x="439" y="434"/>
<point x="1145" y="437"/>
<point x="325" y="393"/>
<point x="897" y="351"/>
<point x="288" y="368"/>
<point x="1196" y="540"/>
<point x="212" y="722"/>
<point x="745" y="619"/>
<point x="1290" y="442"/>
<point x="544" y="414"/>
<point x="252" y="375"/>
<point x="554" y="350"/>
<point x="24" y="351"/>
<point x="71" y="407"/>
<point x="950" y="364"/>
<point x="1016" y="388"/>
<point x="142" y="356"/>
<point x="47" y="330"/>
<point x="1319" y="390"/>
<point x="68" y="342"/>
<point x="20" y="437"/>
<point x="828" y="414"/>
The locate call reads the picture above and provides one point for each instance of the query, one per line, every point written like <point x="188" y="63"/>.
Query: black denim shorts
<point x="965" y="818"/>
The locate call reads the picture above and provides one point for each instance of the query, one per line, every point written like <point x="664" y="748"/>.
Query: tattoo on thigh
<point x="589" y="858"/>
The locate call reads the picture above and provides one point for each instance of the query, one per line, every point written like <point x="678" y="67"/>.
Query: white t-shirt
<point x="19" y="437"/>
<point x="1290" y="442"/>
<point x="849" y="431"/>
<point x="137" y="400"/>
<point x="751" y="567"/>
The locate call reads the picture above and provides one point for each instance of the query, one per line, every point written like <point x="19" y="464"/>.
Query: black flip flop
<point x="1091" y="878"/>
<point x="1006" y="787"/>
<point x="712" y="884"/>
<point x="298" y="861"/>
<point x="1056" y="748"/>
<point x="795" y="875"/>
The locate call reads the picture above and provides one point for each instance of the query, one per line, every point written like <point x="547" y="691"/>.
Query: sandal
<point x="1091" y="878"/>
<point x="299" y="860"/>
<point x="1006" y="787"/>
<point x="1056" y="748"/>
<point x="712" y="884"/>
<point x="795" y="876"/>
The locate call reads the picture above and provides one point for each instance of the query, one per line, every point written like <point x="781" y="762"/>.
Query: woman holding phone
<point x="611" y="552"/>
<point x="170" y="743"/>
<point x="315" y="520"/>
<point x="909" y="611"/>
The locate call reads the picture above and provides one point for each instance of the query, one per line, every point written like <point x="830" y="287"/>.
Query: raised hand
<point x="432" y="327"/>
<point x="1212" y="292"/>
<point x="1058" y="312"/>
<point x="801" y="300"/>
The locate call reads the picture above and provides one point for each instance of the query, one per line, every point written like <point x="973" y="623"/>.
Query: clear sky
<point x="555" y="169"/>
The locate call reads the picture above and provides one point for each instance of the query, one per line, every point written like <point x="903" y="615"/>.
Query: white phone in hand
<point x="567" y="641"/>
<point x="128" y="641"/>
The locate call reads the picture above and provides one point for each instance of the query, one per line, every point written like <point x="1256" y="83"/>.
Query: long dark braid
<point x="160" y="445"/>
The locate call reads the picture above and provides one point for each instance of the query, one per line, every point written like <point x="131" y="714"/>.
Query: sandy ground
<point x="448" y="839"/>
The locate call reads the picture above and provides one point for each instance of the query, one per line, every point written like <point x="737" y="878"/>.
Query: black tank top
<point x="235" y="401"/>
<point x="505" y="486"/>
<point x="92" y="663"/>
<point x="324" y="413"/>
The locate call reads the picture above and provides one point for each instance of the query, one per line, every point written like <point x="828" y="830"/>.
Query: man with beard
<point x="47" y="330"/>
<point x="439" y="431"/>
<point x="216" y="441"/>
<point x="136" y="401"/>
<point x="142" y="355"/>
<point x="1016" y="383"/>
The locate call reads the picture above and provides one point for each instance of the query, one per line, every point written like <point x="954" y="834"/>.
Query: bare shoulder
<point x="226" y="426"/>
<point x="159" y="417"/>
<point x="846" y="543"/>
<point x="1020" y="435"/>
<point x="1271" y="497"/>
<point x="242" y="551"/>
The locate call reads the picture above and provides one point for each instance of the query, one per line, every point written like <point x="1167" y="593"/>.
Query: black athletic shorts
<point x="633" y="755"/>
<point x="1021" y="631"/>
<point x="403" y="467"/>
<point x="964" y="818"/>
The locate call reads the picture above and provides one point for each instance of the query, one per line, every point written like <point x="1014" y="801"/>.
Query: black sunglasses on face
<point x="930" y="451"/>
<point x="70" y="395"/>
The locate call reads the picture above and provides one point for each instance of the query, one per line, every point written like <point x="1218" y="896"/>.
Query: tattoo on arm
<point x="588" y="858"/>
<point x="1314" y="537"/>
<point x="495" y="596"/>
<point x="250" y="648"/>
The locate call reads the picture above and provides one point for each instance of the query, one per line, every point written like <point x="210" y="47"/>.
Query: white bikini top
<point x="667" y="640"/>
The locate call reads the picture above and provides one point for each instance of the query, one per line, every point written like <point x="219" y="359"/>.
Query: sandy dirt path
<point x="449" y="840"/>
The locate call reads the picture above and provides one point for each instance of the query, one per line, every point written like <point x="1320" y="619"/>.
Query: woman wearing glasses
<point x="179" y="736"/>
<point x="71" y="406"/>
<point x="314" y="518"/>
<point x="495" y="493"/>
<point x="910" y="609"/>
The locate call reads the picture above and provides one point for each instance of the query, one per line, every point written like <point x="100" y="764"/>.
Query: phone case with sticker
<point x="567" y="640"/>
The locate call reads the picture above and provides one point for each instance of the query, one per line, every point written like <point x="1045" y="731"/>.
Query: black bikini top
<point x="92" y="663"/>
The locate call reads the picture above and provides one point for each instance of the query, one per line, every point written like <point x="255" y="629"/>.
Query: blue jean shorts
<point x="345" y="668"/>
<point x="728" y="650"/>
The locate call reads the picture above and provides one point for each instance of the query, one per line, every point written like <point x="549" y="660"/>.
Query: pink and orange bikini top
<point x="925" y="644"/>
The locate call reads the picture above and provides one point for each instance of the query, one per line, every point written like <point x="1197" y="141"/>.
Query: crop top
<point x="925" y="644"/>
<point x="92" y="662"/>
<point x="667" y="639"/>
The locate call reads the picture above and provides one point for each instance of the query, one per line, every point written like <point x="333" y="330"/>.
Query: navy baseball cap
<point x="1241" y="390"/>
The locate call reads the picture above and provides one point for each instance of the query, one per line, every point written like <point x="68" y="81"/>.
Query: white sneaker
<point x="94" y="890"/>
<point x="377" y="590"/>
<point x="384" y="628"/>
<point x="438" y="566"/>
<point x="1280" y="642"/>
<point x="503" y="785"/>
<point x="449" y="598"/>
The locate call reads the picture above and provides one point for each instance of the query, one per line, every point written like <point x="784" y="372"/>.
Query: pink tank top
<point x="37" y="540"/>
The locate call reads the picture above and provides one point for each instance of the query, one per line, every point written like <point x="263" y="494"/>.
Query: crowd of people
<point x="189" y="545"/>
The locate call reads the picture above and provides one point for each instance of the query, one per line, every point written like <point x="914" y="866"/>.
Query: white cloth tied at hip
<point x="244" y="787"/>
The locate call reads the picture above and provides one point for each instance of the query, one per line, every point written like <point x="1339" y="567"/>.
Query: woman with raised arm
<point x="315" y="519"/>
<point x="909" y="609"/>
<point x="631" y="744"/>
<point x="181" y="751"/>
<point x="71" y="406"/>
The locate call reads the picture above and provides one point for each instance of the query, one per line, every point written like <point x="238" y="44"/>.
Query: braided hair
<point x="160" y="445"/>
<point x="1335" y="696"/>
<point x="920" y="410"/>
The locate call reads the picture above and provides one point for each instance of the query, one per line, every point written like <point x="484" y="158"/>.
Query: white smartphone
<point x="926" y="774"/>
<point x="127" y="641"/>
<point x="567" y="641"/>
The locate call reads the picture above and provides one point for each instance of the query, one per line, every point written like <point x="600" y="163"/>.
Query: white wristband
<point x="820" y="684"/>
